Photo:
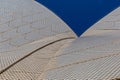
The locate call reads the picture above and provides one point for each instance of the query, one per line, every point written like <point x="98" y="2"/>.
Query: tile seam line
<point x="26" y="43"/>
<point x="2" y="71"/>
<point x="84" y="61"/>
<point x="50" y="61"/>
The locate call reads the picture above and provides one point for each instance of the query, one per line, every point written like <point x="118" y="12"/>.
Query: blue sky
<point x="81" y="14"/>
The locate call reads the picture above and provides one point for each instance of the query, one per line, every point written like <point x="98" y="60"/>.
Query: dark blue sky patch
<point x="81" y="14"/>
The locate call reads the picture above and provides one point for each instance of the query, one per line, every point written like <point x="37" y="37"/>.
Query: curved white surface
<point x="94" y="56"/>
<point x="26" y="26"/>
<point x="25" y="21"/>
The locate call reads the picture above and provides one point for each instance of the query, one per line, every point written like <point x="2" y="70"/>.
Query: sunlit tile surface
<point x="36" y="45"/>
<point x="24" y="21"/>
<point x="93" y="56"/>
<point x="26" y="26"/>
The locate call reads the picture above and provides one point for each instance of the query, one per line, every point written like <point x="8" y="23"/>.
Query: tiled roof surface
<point x="36" y="45"/>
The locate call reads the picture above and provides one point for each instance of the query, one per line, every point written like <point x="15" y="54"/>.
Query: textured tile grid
<point x="25" y="26"/>
<point x="94" y="56"/>
<point x="33" y="66"/>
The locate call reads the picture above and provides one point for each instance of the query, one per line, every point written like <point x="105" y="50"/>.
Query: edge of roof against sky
<point x="81" y="14"/>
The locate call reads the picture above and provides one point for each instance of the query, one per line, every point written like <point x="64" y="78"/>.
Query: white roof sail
<point x="37" y="45"/>
<point x="25" y="27"/>
<point x="23" y="22"/>
<point x="94" y="56"/>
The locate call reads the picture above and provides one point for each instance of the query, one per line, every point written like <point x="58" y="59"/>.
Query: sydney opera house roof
<point x="35" y="44"/>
